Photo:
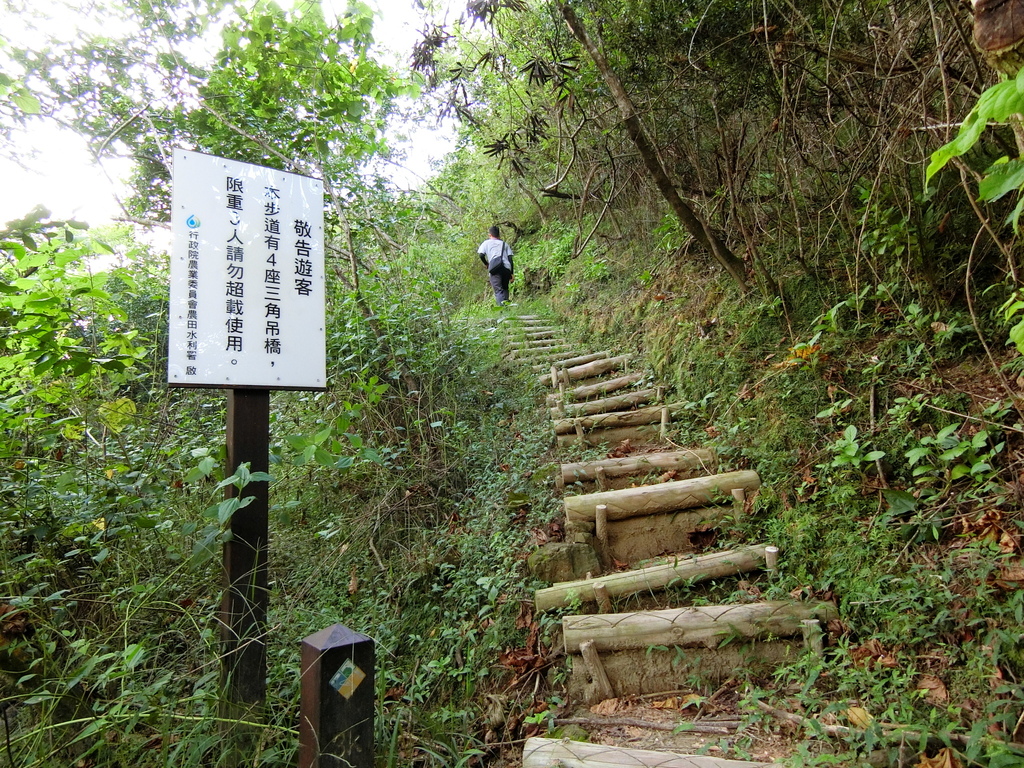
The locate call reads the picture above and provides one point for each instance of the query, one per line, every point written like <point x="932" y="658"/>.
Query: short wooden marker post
<point x="336" y="710"/>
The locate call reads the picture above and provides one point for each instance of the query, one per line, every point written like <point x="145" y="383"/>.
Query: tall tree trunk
<point x="689" y="218"/>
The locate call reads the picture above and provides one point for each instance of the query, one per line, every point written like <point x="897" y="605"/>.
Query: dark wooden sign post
<point x="247" y="314"/>
<point x="245" y="598"/>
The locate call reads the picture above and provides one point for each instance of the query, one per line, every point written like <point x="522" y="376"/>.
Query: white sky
<point x="61" y="176"/>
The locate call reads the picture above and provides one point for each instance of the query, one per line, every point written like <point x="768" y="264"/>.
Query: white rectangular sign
<point x="247" y="276"/>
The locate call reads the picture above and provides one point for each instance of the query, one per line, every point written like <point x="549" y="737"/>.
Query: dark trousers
<point x="499" y="282"/>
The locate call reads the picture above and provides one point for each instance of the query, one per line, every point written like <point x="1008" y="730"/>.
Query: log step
<point x="663" y="497"/>
<point x="601" y="388"/>
<point x="547" y="753"/>
<point x="654" y="577"/>
<point x="633" y="418"/>
<point x="604" y="405"/>
<point x="642" y="435"/>
<point x="596" y="368"/>
<point x="542" y="353"/>
<point x="557" y="360"/>
<point x="534" y="343"/>
<point x="706" y="626"/>
<point x="629" y="466"/>
<point x="566" y="362"/>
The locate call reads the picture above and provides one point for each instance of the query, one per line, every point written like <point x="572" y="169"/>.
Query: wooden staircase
<point x="642" y="511"/>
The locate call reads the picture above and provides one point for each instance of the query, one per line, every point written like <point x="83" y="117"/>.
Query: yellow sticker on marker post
<point x="347" y="678"/>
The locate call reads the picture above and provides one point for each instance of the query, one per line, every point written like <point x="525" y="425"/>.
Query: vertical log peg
<point x="601" y="534"/>
<point x="814" y="640"/>
<point x="739" y="497"/>
<point x="771" y="558"/>
<point x="593" y="661"/>
<point x="604" y="600"/>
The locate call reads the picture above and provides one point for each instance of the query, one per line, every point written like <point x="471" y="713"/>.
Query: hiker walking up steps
<point x="496" y="255"/>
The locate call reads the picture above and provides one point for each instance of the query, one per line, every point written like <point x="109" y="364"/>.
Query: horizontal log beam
<point x="569" y="362"/>
<point x="534" y="344"/>
<point x="545" y="363"/>
<point x="601" y="388"/>
<point x="541" y="353"/>
<point x="663" y="497"/>
<point x="705" y="626"/>
<point x="654" y="577"/>
<point x="597" y="368"/>
<point x="545" y="753"/>
<point x="648" y="433"/>
<point x="604" y="405"/>
<point x="628" y="466"/>
<point x="634" y="418"/>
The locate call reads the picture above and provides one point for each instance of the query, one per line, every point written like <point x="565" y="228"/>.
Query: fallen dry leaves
<point x="872" y="652"/>
<point x="13" y="623"/>
<point x="860" y="717"/>
<point x="521" y="661"/>
<point x="751" y="589"/>
<point x="1009" y="576"/>
<point x="606" y="707"/>
<point x="530" y="659"/>
<point x="944" y="759"/>
<point x="621" y="450"/>
<point x="934" y="690"/>
<point x="678" y="702"/>
<point x="992" y="527"/>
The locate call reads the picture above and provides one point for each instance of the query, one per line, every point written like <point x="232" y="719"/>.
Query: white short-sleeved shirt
<point x="493" y="249"/>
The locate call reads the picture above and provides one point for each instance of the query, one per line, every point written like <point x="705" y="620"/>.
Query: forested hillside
<point x="772" y="204"/>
